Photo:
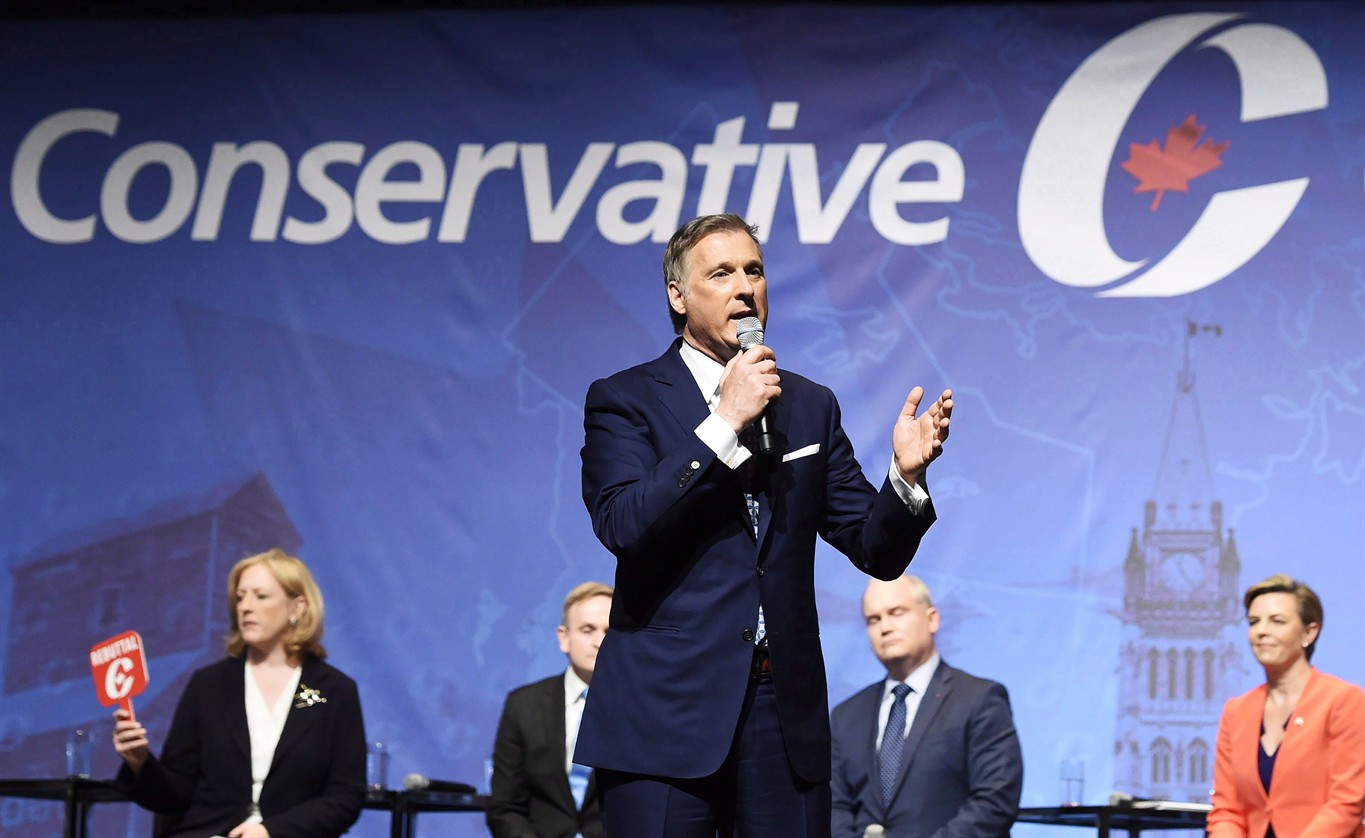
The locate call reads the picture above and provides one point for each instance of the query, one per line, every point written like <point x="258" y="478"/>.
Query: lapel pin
<point x="307" y="696"/>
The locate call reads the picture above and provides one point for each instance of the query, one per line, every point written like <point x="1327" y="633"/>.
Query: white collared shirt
<point x="918" y="682"/>
<point x="573" y="714"/>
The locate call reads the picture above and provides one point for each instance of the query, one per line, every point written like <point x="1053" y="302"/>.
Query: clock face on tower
<point x="1182" y="572"/>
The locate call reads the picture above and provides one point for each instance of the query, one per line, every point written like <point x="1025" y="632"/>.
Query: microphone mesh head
<point x="749" y="331"/>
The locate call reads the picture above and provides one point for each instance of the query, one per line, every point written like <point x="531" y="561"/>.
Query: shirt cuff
<point x="914" y="497"/>
<point x="722" y="439"/>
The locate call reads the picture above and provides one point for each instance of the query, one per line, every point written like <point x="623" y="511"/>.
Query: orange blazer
<point x="1318" y="788"/>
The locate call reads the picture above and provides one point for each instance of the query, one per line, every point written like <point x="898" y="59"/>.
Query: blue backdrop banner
<point x="340" y="283"/>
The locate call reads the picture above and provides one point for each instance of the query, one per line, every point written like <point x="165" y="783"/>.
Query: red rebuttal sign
<point x="119" y="665"/>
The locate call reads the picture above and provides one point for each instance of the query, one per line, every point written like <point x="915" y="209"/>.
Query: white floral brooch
<point x="307" y="696"/>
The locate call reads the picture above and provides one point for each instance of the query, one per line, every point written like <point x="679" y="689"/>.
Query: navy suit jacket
<point x="530" y="796"/>
<point x="672" y="672"/>
<point x="961" y="772"/>
<point x="316" y="784"/>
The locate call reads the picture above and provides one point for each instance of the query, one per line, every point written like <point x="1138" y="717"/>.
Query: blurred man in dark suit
<point x="538" y="791"/>
<point x="930" y="750"/>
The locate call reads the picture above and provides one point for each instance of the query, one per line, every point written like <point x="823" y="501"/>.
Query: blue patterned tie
<point x="578" y="774"/>
<point x="893" y="743"/>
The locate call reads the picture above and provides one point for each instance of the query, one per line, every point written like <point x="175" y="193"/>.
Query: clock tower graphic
<point x="1179" y="658"/>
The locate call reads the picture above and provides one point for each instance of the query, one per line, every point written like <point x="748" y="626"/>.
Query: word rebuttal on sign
<point x="120" y="646"/>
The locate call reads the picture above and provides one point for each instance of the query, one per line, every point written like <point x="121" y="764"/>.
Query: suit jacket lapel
<point x="234" y="693"/>
<point x="1247" y="738"/>
<point x="677" y="389"/>
<point x="678" y="393"/>
<point x="552" y="720"/>
<point x="300" y="719"/>
<point x="770" y="494"/>
<point x="871" y="699"/>
<point x="872" y="705"/>
<point x="591" y="794"/>
<point x="763" y="487"/>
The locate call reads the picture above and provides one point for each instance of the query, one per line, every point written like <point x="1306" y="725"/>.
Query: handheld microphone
<point x="750" y="333"/>
<point x="416" y="782"/>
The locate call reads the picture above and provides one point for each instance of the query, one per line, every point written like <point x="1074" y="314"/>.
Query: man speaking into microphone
<point x="709" y="710"/>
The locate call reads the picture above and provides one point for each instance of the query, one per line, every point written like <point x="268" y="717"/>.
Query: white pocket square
<point x="801" y="452"/>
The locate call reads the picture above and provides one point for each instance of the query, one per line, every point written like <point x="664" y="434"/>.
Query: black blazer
<point x="316" y="784"/>
<point x="530" y="791"/>
<point x="961" y="772"/>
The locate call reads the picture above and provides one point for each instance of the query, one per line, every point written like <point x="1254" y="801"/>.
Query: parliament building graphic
<point x="1180" y="654"/>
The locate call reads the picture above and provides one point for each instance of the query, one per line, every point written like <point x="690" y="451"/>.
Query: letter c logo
<point x="1061" y="188"/>
<point x="117" y="682"/>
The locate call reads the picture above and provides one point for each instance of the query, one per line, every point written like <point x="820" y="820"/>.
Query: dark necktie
<point x="893" y="743"/>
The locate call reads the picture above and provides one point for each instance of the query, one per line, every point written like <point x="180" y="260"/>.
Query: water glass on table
<point x="1073" y="782"/>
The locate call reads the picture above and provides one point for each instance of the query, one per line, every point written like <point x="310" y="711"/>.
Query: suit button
<point x="760" y="570"/>
<point x="682" y="482"/>
<point x="748" y="635"/>
<point x="695" y="465"/>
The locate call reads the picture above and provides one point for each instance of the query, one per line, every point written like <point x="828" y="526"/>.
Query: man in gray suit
<point x="537" y="790"/>
<point x="929" y="751"/>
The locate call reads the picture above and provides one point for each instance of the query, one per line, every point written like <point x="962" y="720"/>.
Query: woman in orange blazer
<point x="1302" y="728"/>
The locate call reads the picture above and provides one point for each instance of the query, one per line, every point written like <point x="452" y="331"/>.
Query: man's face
<point x="725" y="282"/>
<point x="583" y="635"/>
<point x="900" y="627"/>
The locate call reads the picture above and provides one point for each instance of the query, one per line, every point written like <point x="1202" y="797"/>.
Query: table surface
<point x="425" y="801"/>
<point x="90" y="791"/>
<point x="105" y="791"/>
<point x="1119" y="817"/>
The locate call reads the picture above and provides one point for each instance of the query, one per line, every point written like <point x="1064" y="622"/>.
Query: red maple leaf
<point x="1183" y="160"/>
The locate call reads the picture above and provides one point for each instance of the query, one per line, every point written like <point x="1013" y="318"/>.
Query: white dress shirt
<point x="573" y="714"/>
<point x="265" y="723"/>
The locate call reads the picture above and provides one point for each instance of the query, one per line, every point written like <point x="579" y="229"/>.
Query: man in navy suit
<point x="946" y="762"/>
<point x="537" y="789"/>
<point x="709" y="709"/>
